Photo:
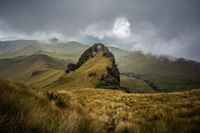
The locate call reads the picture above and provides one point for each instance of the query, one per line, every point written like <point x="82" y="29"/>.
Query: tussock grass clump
<point x="148" y="113"/>
<point x="60" y="100"/>
<point x="25" y="109"/>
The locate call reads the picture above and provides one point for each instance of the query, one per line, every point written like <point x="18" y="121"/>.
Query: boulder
<point x="70" y="67"/>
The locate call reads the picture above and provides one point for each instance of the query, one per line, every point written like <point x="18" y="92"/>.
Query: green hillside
<point x="71" y="46"/>
<point x="118" y="52"/>
<point x="168" y="75"/>
<point x="68" y="50"/>
<point x="87" y="76"/>
<point x="38" y="70"/>
<point x="7" y="46"/>
<point x="27" y="50"/>
<point x="135" y="85"/>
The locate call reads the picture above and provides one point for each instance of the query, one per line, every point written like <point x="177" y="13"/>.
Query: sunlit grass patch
<point x="29" y="109"/>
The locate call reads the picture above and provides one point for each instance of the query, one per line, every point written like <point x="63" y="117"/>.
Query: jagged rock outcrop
<point x="70" y="67"/>
<point x="89" y="53"/>
<point x="110" y="80"/>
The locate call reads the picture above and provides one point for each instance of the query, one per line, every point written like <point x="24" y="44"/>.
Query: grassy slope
<point x="96" y="110"/>
<point x="71" y="46"/>
<point x="27" y="50"/>
<point x="135" y="85"/>
<point x="62" y="51"/>
<point x="171" y="75"/>
<point x="3" y="46"/>
<point x="26" y="109"/>
<point x="74" y="56"/>
<point x="118" y="52"/>
<point x="80" y="78"/>
<point x="7" y="46"/>
<point x="71" y="50"/>
<point x="171" y="112"/>
<point x="38" y="70"/>
<point x="75" y="51"/>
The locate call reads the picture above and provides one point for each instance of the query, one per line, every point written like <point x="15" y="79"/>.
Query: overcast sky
<point x="170" y="27"/>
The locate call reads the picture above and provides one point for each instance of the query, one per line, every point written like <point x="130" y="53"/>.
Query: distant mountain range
<point x="37" y="69"/>
<point x="7" y="46"/>
<point x="35" y="63"/>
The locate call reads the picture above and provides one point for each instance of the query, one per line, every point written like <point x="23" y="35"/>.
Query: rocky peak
<point x="108" y="80"/>
<point x="91" y="52"/>
<point x="98" y="47"/>
<point x="87" y="54"/>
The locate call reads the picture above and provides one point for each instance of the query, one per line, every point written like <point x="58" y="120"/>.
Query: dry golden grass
<point x="25" y="109"/>
<point x="122" y="112"/>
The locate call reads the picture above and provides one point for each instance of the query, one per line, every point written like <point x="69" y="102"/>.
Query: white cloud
<point x="95" y="31"/>
<point x="120" y="29"/>
<point x="149" y="40"/>
<point x="1" y="36"/>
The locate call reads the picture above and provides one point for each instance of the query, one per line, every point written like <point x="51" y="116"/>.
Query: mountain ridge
<point x="174" y="75"/>
<point x="95" y="68"/>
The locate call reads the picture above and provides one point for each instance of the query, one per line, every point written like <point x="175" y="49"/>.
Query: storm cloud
<point x="158" y="26"/>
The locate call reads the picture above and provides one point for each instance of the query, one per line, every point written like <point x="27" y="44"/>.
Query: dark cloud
<point x="159" y="26"/>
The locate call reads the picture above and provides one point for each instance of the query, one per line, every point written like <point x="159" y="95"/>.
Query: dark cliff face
<point x="111" y="80"/>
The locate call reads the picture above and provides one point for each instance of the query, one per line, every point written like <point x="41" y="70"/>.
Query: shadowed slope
<point x="167" y="75"/>
<point x="135" y="85"/>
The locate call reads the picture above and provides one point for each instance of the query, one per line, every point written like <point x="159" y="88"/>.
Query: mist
<point x="158" y="27"/>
